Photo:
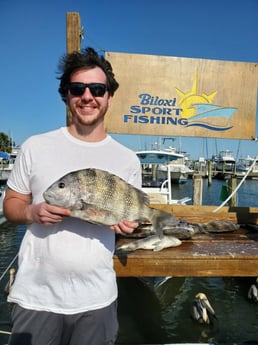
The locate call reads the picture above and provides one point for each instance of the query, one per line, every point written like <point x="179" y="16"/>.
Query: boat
<point x="223" y="164"/>
<point x="247" y="165"/>
<point x="225" y="161"/>
<point x="179" y="170"/>
<point x="200" y="166"/>
<point x="6" y="164"/>
<point x="156" y="184"/>
<point x="179" y="167"/>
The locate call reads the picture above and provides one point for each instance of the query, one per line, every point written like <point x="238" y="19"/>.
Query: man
<point x="65" y="289"/>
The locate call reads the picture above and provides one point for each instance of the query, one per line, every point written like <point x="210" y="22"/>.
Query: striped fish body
<point x="100" y="197"/>
<point x="216" y="226"/>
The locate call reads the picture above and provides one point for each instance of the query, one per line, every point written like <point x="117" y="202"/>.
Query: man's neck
<point x="87" y="133"/>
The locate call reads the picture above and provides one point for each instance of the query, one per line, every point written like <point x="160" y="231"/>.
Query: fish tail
<point x="161" y="219"/>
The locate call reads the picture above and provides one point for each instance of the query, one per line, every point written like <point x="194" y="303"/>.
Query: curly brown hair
<point x="87" y="58"/>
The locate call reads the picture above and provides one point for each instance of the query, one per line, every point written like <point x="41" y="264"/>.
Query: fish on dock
<point x="153" y="242"/>
<point x="181" y="231"/>
<point x="100" y="197"/>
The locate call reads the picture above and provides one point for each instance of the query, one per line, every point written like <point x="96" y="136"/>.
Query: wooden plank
<point x="194" y="258"/>
<point x="203" y="214"/>
<point x="225" y="254"/>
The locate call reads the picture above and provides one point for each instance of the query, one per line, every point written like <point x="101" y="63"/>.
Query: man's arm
<point x="19" y="209"/>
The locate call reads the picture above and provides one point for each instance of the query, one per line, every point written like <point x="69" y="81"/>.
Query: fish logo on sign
<point x="200" y="111"/>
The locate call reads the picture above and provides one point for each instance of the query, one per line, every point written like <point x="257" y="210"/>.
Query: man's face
<point x="90" y="107"/>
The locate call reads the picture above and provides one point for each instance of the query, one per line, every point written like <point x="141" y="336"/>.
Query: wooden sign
<point x="173" y="96"/>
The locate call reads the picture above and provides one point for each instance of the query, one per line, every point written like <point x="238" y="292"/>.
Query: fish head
<point x="63" y="193"/>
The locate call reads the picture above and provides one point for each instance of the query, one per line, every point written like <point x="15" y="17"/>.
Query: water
<point x="163" y="316"/>
<point x="10" y="238"/>
<point x="247" y="193"/>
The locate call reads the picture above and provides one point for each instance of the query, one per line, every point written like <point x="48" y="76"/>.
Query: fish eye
<point x="61" y="185"/>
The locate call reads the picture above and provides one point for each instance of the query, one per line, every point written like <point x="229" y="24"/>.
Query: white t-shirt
<point x="67" y="267"/>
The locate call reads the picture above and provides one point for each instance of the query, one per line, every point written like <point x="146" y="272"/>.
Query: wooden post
<point x="209" y="173"/>
<point x="232" y="185"/>
<point x="197" y="189"/>
<point x="73" y="32"/>
<point x="73" y="40"/>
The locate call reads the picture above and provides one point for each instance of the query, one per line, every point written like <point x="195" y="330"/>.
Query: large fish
<point x="100" y="197"/>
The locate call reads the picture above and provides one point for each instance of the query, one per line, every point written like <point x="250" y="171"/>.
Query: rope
<point x="8" y="267"/>
<point x="239" y="185"/>
<point x="5" y="332"/>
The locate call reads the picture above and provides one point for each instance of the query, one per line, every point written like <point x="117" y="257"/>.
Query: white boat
<point x="158" y="186"/>
<point x="243" y="165"/>
<point x="200" y="166"/>
<point x="179" y="170"/>
<point x="225" y="161"/>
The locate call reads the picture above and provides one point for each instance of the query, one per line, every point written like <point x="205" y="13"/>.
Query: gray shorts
<point x="97" y="327"/>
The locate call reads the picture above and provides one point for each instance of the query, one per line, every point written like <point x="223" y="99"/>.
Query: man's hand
<point x="46" y="214"/>
<point x="125" y="227"/>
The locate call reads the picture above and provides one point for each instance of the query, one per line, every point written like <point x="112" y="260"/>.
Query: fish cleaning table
<point x="218" y="254"/>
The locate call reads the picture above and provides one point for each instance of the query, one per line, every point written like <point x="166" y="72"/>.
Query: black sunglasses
<point x="96" y="89"/>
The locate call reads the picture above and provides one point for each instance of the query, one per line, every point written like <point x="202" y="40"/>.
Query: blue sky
<point x="33" y="37"/>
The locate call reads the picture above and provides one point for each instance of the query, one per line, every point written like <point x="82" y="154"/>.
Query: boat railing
<point x="163" y="195"/>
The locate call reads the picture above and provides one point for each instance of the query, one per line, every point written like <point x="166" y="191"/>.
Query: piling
<point x="232" y="185"/>
<point x="197" y="189"/>
<point x="209" y="173"/>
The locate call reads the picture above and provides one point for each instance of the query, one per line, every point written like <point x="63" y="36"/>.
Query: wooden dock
<point x="206" y="255"/>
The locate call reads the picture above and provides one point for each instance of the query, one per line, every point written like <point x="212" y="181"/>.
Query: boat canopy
<point x="4" y="155"/>
<point x="157" y="156"/>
